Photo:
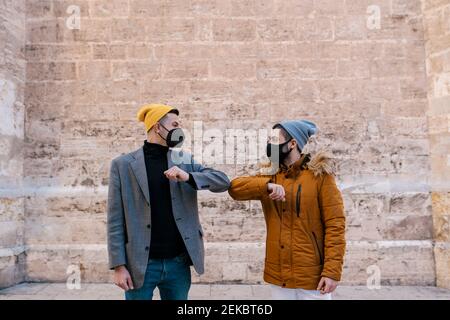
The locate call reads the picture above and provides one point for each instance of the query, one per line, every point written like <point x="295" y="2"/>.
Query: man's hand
<point x="327" y="285"/>
<point x="276" y="192"/>
<point x="176" y="174"/>
<point x="122" y="278"/>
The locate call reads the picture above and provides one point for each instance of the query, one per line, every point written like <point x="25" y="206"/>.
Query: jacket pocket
<point x="316" y="246"/>
<point x="298" y="199"/>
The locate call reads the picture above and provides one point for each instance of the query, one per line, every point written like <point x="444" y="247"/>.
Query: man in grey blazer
<point x="154" y="232"/>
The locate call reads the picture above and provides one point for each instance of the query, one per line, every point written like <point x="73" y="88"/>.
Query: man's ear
<point x="294" y="143"/>
<point x="156" y="128"/>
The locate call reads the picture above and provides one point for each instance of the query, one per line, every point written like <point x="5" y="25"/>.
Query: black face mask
<point x="275" y="152"/>
<point x="174" y="138"/>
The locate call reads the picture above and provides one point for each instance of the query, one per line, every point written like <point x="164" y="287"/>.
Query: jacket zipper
<point x="317" y="247"/>
<point x="297" y="199"/>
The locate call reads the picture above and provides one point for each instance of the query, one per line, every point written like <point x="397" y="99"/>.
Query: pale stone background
<point x="381" y="97"/>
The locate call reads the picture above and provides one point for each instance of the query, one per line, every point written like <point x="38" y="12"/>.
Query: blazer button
<point x="148" y="226"/>
<point x="146" y="248"/>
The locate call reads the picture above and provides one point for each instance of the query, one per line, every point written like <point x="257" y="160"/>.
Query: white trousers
<point x="280" y="293"/>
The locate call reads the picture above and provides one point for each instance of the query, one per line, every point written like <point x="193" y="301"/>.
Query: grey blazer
<point x="129" y="219"/>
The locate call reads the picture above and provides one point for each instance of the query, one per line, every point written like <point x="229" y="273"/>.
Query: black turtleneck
<point x="166" y="241"/>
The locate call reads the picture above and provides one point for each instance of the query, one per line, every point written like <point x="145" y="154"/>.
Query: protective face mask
<point x="275" y="152"/>
<point x="174" y="138"/>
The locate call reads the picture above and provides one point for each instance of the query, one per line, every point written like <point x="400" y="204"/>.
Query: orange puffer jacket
<point x="305" y="233"/>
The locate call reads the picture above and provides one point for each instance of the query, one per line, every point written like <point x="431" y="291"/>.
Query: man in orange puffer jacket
<point x="304" y="214"/>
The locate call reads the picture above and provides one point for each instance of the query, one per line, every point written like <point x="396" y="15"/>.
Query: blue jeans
<point x="171" y="276"/>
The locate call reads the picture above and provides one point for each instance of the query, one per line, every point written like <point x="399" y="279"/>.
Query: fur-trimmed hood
<point x="322" y="163"/>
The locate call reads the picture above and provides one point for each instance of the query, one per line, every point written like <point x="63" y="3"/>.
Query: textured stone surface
<point x="379" y="95"/>
<point x="12" y="110"/>
<point x="437" y="45"/>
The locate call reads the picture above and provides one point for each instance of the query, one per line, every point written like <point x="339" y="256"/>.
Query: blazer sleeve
<point x="115" y="220"/>
<point x="208" y="178"/>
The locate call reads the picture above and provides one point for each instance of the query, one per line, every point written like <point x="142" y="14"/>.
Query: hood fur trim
<point x="322" y="163"/>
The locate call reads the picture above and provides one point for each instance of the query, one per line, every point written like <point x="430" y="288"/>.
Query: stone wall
<point x="437" y="47"/>
<point x="235" y="64"/>
<point x="12" y="88"/>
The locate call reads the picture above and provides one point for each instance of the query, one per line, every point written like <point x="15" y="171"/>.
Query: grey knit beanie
<point x="300" y="130"/>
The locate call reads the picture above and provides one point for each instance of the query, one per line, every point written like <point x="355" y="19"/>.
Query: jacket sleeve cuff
<point x="331" y="276"/>
<point x="116" y="261"/>
<point x="191" y="181"/>
<point x="332" y="270"/>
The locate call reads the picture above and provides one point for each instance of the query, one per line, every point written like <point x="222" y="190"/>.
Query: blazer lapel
<point x="140" y="172"/>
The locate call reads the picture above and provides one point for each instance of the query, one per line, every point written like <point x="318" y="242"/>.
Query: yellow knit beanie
<point x="150" y="114"/>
